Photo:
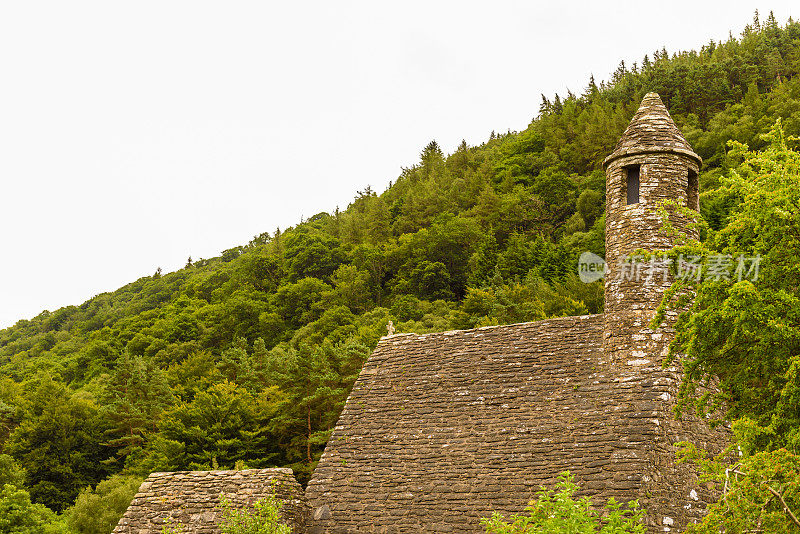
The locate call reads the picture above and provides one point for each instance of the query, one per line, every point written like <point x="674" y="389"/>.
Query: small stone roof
<point x="652" y="130"/>
<point x="189" y="500"/>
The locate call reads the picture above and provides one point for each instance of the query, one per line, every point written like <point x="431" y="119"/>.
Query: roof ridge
<point x="587" y="316"/>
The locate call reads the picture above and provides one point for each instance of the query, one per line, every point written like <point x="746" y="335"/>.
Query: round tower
<point x="652" y="163"/>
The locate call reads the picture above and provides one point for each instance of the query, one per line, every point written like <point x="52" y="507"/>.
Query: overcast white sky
<point x="136" y="134"/>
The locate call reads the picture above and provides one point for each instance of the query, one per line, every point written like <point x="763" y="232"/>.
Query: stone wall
<point x="639" y="226"/>
<point x="668" y="491"/>
<point x="189" y="500"/>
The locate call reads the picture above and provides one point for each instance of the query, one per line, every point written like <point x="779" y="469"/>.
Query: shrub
<point x="263" y="518"/>
<point x="97" y="511"/>
<point x="760" y="492"/>
<point x="558" y="511"/>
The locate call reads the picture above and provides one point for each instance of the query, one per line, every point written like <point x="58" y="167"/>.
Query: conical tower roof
<point x="652" y="130"/>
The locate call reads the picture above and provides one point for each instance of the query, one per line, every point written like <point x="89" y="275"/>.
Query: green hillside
<point x="246" y="359"/>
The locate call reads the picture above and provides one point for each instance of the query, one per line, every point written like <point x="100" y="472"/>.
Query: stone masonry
<point x="188" y="501"/>
<point x="665" y="161"/>
<point x="443" y="429"/>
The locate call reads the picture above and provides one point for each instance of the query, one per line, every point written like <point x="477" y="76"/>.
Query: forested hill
<point x="247" y="358"/>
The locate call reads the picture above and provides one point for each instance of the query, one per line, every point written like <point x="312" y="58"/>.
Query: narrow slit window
<point x="632" y="183"/>
<point x="692" y="191"/>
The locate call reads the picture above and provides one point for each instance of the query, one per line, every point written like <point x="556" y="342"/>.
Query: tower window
<point x="693" y="191"/>
<point x="632" y="183"/>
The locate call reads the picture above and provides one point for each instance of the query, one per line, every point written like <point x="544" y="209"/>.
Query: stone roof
<point x="652" y="130"/>
<point x="188" y="500"/>
<point x="442" y="429"/>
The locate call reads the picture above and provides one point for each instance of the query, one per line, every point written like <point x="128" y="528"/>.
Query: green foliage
<point x="97" y="511"/>
<point x="134" y="396"/>
<point x="744" y="333"/>
<point x="518" y="302"/>
<point x="225" y="423"/>
<point x="312" y="254"/>
<point x="59" y="443"/>
<point x="172" y="528"/>
<point x="558" y="511"/>
<point x="264" y="518"/>
<point x="316" y="382"/>
<point x="11" y="472"/>
<point x="760" y="492"/>
<point x="18" y="515"/>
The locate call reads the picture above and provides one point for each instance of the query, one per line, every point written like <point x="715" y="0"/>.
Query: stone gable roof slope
<point x="442" y="429"/>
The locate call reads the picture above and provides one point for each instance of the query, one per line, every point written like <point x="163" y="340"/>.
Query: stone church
<point x="442" y="429"/>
